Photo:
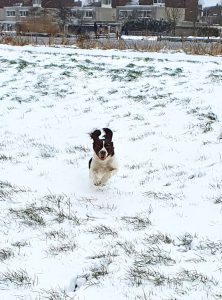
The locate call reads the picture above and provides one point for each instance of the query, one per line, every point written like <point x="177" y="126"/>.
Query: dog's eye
<point x="97" y="146"/>
<point x="107" y="144"/>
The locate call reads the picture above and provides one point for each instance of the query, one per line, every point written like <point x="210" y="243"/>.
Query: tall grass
<point x="194" y="48"/>
<point x="213" y="48"/>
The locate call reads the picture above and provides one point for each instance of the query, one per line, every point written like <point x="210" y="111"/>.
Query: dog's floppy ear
<point x="109" y="134"/>
<point x="95" y="134"/>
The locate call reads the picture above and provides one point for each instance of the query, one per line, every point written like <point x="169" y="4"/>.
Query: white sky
<point x="209" y="2"/>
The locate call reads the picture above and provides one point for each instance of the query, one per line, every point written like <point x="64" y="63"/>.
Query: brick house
<point x="190" y="6"/>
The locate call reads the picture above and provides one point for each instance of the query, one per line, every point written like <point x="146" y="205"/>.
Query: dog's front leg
<point x="107" y="176"/>
<point x="95" y="178"/>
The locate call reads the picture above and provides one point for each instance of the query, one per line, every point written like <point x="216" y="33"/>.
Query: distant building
<point x="190" y="6"/>
<point x="131" y="12"/>
<point x="89" y="15"/>
<point x="102" y="11"/>
<point x="12" y="12"/>
<point x="213" y="15"/>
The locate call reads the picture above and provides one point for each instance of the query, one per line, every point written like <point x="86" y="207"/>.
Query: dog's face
<point x="102" y="143"/>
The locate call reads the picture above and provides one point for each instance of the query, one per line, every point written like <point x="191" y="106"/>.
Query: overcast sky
<point x="209" y="2"/>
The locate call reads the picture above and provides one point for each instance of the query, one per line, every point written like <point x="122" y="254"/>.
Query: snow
<point x="154" y="232"/>
<point x="134" y="37"/>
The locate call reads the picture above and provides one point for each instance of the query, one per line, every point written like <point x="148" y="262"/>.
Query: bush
<point x="208" y="31"/>
<point x="14" y="41"/>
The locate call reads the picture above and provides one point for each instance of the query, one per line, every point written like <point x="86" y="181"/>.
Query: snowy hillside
<point x="154" y="232"/>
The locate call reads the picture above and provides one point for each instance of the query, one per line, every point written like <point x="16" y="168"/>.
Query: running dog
<point x="103" y="164"/>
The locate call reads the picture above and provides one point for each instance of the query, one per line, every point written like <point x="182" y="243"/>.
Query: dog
<point x="103" y="164"/>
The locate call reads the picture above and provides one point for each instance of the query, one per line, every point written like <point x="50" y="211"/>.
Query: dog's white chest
<point x="101" y="171"/>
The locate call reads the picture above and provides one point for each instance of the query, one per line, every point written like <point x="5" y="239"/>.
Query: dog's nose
<point x="102" y="153"/>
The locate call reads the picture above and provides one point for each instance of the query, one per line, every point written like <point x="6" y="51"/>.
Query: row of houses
<point x="78" y="13"/>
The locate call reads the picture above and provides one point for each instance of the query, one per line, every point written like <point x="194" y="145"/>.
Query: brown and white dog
<point x="103" y="164"/>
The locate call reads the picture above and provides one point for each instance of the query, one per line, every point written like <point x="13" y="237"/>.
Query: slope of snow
<point x="154" y="232"/>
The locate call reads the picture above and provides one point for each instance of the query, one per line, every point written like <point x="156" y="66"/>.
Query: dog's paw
<point x="99" y="183"/>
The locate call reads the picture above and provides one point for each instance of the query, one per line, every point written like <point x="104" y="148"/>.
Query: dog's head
<point x="102" y="143"/>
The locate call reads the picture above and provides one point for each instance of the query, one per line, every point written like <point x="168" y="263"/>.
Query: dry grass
<point x="14" y="41"/>
<point x="85" y="42"/>
<point x="156" y="46"/>
<point x="41" y="24"/>
<point x="203" y="49"/>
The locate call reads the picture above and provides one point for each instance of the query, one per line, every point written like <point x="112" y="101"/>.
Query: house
<point x="12" y="12"/>
<point x="132" y="12"/>
<point x="189" y="8"/>
<point x="15" y="12"/>
<point x="72" y="13"/>
<point x="213" y="15"/>
<point x="101" y="12"/>
<point x="148" y="9"/>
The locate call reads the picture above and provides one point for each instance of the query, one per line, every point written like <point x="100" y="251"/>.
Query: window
<point x="144" y="13"/>
<point x="23" y="13"/>
<point x="88" y="14"/>
<point x="10" y="13"/>
<point x="159" y="2"/>
<point x="124" y="14"/>
<point x="8" y="27"/>
<point x="106" y="2"/>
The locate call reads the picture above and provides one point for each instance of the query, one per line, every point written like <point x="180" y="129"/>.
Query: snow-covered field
<point x="155" y="231"/>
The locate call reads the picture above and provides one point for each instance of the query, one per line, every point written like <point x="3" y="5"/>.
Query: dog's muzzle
<point x="102" y="155"/>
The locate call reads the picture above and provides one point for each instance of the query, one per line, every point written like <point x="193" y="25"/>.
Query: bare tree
<point x="174" y="16"/>
<point x="196" y="14"/>
<point x="219" y="7"/>
<point x="63" y="15"/>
